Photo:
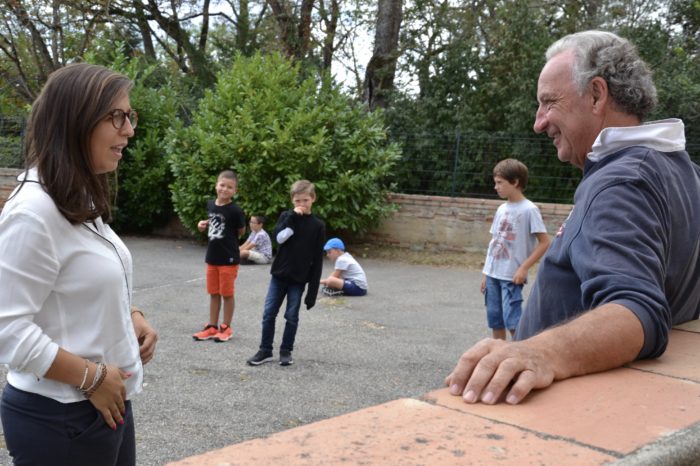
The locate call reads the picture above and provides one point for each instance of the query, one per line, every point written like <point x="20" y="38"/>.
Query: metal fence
<point x="457" y="164"/>
<point x="461" y="164"/>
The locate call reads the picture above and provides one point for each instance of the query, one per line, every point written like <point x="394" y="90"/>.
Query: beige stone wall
<point x="447" y="223"/>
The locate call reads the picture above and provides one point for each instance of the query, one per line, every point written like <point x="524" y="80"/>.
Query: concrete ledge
<point x="647" y="413"/>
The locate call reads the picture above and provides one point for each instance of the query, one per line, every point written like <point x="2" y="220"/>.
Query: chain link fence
<point x="457" y="164"/>
<point x="460" y="164"/>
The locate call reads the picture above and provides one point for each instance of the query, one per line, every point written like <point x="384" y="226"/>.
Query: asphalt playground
<point x="350" y="353"/>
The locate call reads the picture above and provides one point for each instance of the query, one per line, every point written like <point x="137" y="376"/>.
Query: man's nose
<point x="540" y="125"/>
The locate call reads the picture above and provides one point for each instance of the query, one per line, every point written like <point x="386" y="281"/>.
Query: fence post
<point x="454" y="166"/>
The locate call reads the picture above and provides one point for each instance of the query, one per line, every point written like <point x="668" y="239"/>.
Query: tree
<point x="686" y="14"/>
<point x="38" y="38"/>
<point x="189" y="53"/>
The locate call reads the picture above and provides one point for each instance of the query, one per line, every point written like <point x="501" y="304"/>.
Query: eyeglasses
<point x="119" y="116"/>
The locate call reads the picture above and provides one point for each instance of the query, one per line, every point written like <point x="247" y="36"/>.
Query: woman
<point x="74" y="346"/>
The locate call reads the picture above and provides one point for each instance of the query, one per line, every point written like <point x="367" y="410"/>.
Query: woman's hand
<point x="146" y="336"/>
<point x="110" y="397"/>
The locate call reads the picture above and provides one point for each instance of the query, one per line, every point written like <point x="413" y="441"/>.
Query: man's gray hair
<point x="604" y="54"/>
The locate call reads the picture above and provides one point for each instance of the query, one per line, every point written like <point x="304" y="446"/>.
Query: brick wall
<point x="421" y="222"/>
<point x="446" y="223"/>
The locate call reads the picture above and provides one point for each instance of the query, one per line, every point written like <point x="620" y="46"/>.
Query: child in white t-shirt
<point x="348" y="277"/>
<point x="519" y="239"/>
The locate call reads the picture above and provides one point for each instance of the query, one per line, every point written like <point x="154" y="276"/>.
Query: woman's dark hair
<point x="74" y="100"/>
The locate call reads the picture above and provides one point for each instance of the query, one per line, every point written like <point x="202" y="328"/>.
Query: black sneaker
<point x="286" y="358"/>
<point x="260" y="357"/>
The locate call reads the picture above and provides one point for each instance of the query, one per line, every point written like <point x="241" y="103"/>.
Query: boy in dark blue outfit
<point x="299" y="261"/>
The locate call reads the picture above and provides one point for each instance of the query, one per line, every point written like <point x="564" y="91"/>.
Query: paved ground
<point x="398" y="341"/>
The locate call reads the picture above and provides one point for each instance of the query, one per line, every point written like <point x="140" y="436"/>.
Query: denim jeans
<point x="273" y="301"/>
<point x="504" y="300"/>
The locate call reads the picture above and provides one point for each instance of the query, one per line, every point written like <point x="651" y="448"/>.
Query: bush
<point x="11" y="151"/>
<point x="273" y="128"/>
<point x="11" y="129"/>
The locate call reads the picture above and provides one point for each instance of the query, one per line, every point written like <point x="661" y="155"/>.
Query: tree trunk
<point x="330" y="19"/>
<point x="148" y="48"/>
<point x="243" y="29"/>
<point x="285" y="23"/>
<point x="381" y="69"/>
<point x="304" y="31"/>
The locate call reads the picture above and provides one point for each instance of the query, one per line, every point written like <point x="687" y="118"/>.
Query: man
<point x="624" y="267"/>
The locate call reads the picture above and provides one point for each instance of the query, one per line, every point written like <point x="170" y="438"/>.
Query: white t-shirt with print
<point x="512" y="238"/>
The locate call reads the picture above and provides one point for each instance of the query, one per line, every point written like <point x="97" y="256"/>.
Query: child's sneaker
<point x="286" y="358"/>
<point x="260" y="358"/>
<point x="331" y="291"/>
<point x="208" y="333"/>
<point x="224" y="334"/>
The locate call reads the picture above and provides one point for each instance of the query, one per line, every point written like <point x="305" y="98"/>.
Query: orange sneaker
<point x="210" y="331"/>
<point x="224" y="334"/>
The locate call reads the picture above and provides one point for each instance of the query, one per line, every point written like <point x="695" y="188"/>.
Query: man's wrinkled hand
<point x="487" y="370"/>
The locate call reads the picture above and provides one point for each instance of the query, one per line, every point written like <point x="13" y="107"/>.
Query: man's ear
<point x="599" y="93"/>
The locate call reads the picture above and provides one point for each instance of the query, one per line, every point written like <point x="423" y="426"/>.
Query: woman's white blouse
<point x="62" y="285"/>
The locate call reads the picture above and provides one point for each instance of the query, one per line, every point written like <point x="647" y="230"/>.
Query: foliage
<point x="477" y="70"/>
<point x="476" y="101"/>
<point x="11" y="129"/>
<point x="466" y="82"/>
<point x="39" y="37"/>
<point x="273" y="128"/>
<point x="10" y="151"/>
<point x="676" y="75"/>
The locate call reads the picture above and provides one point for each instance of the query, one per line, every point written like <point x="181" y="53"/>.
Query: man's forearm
<point x="603" y="338"/>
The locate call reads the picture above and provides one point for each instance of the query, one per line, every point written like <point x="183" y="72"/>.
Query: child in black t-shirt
<point x="225" y="224"/>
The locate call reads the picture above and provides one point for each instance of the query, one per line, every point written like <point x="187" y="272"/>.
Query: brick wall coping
<point x="647" y="413"/>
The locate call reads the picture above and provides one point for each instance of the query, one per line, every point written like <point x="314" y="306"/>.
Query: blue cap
<point x="334" y="243"/>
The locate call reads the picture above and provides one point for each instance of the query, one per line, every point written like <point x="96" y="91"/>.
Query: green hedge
<point x="273" y="128"/>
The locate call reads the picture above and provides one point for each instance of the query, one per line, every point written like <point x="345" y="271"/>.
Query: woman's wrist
<point x="97" y="378"/>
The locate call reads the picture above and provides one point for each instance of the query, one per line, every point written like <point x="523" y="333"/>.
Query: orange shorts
<point x="220" y="279"/>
